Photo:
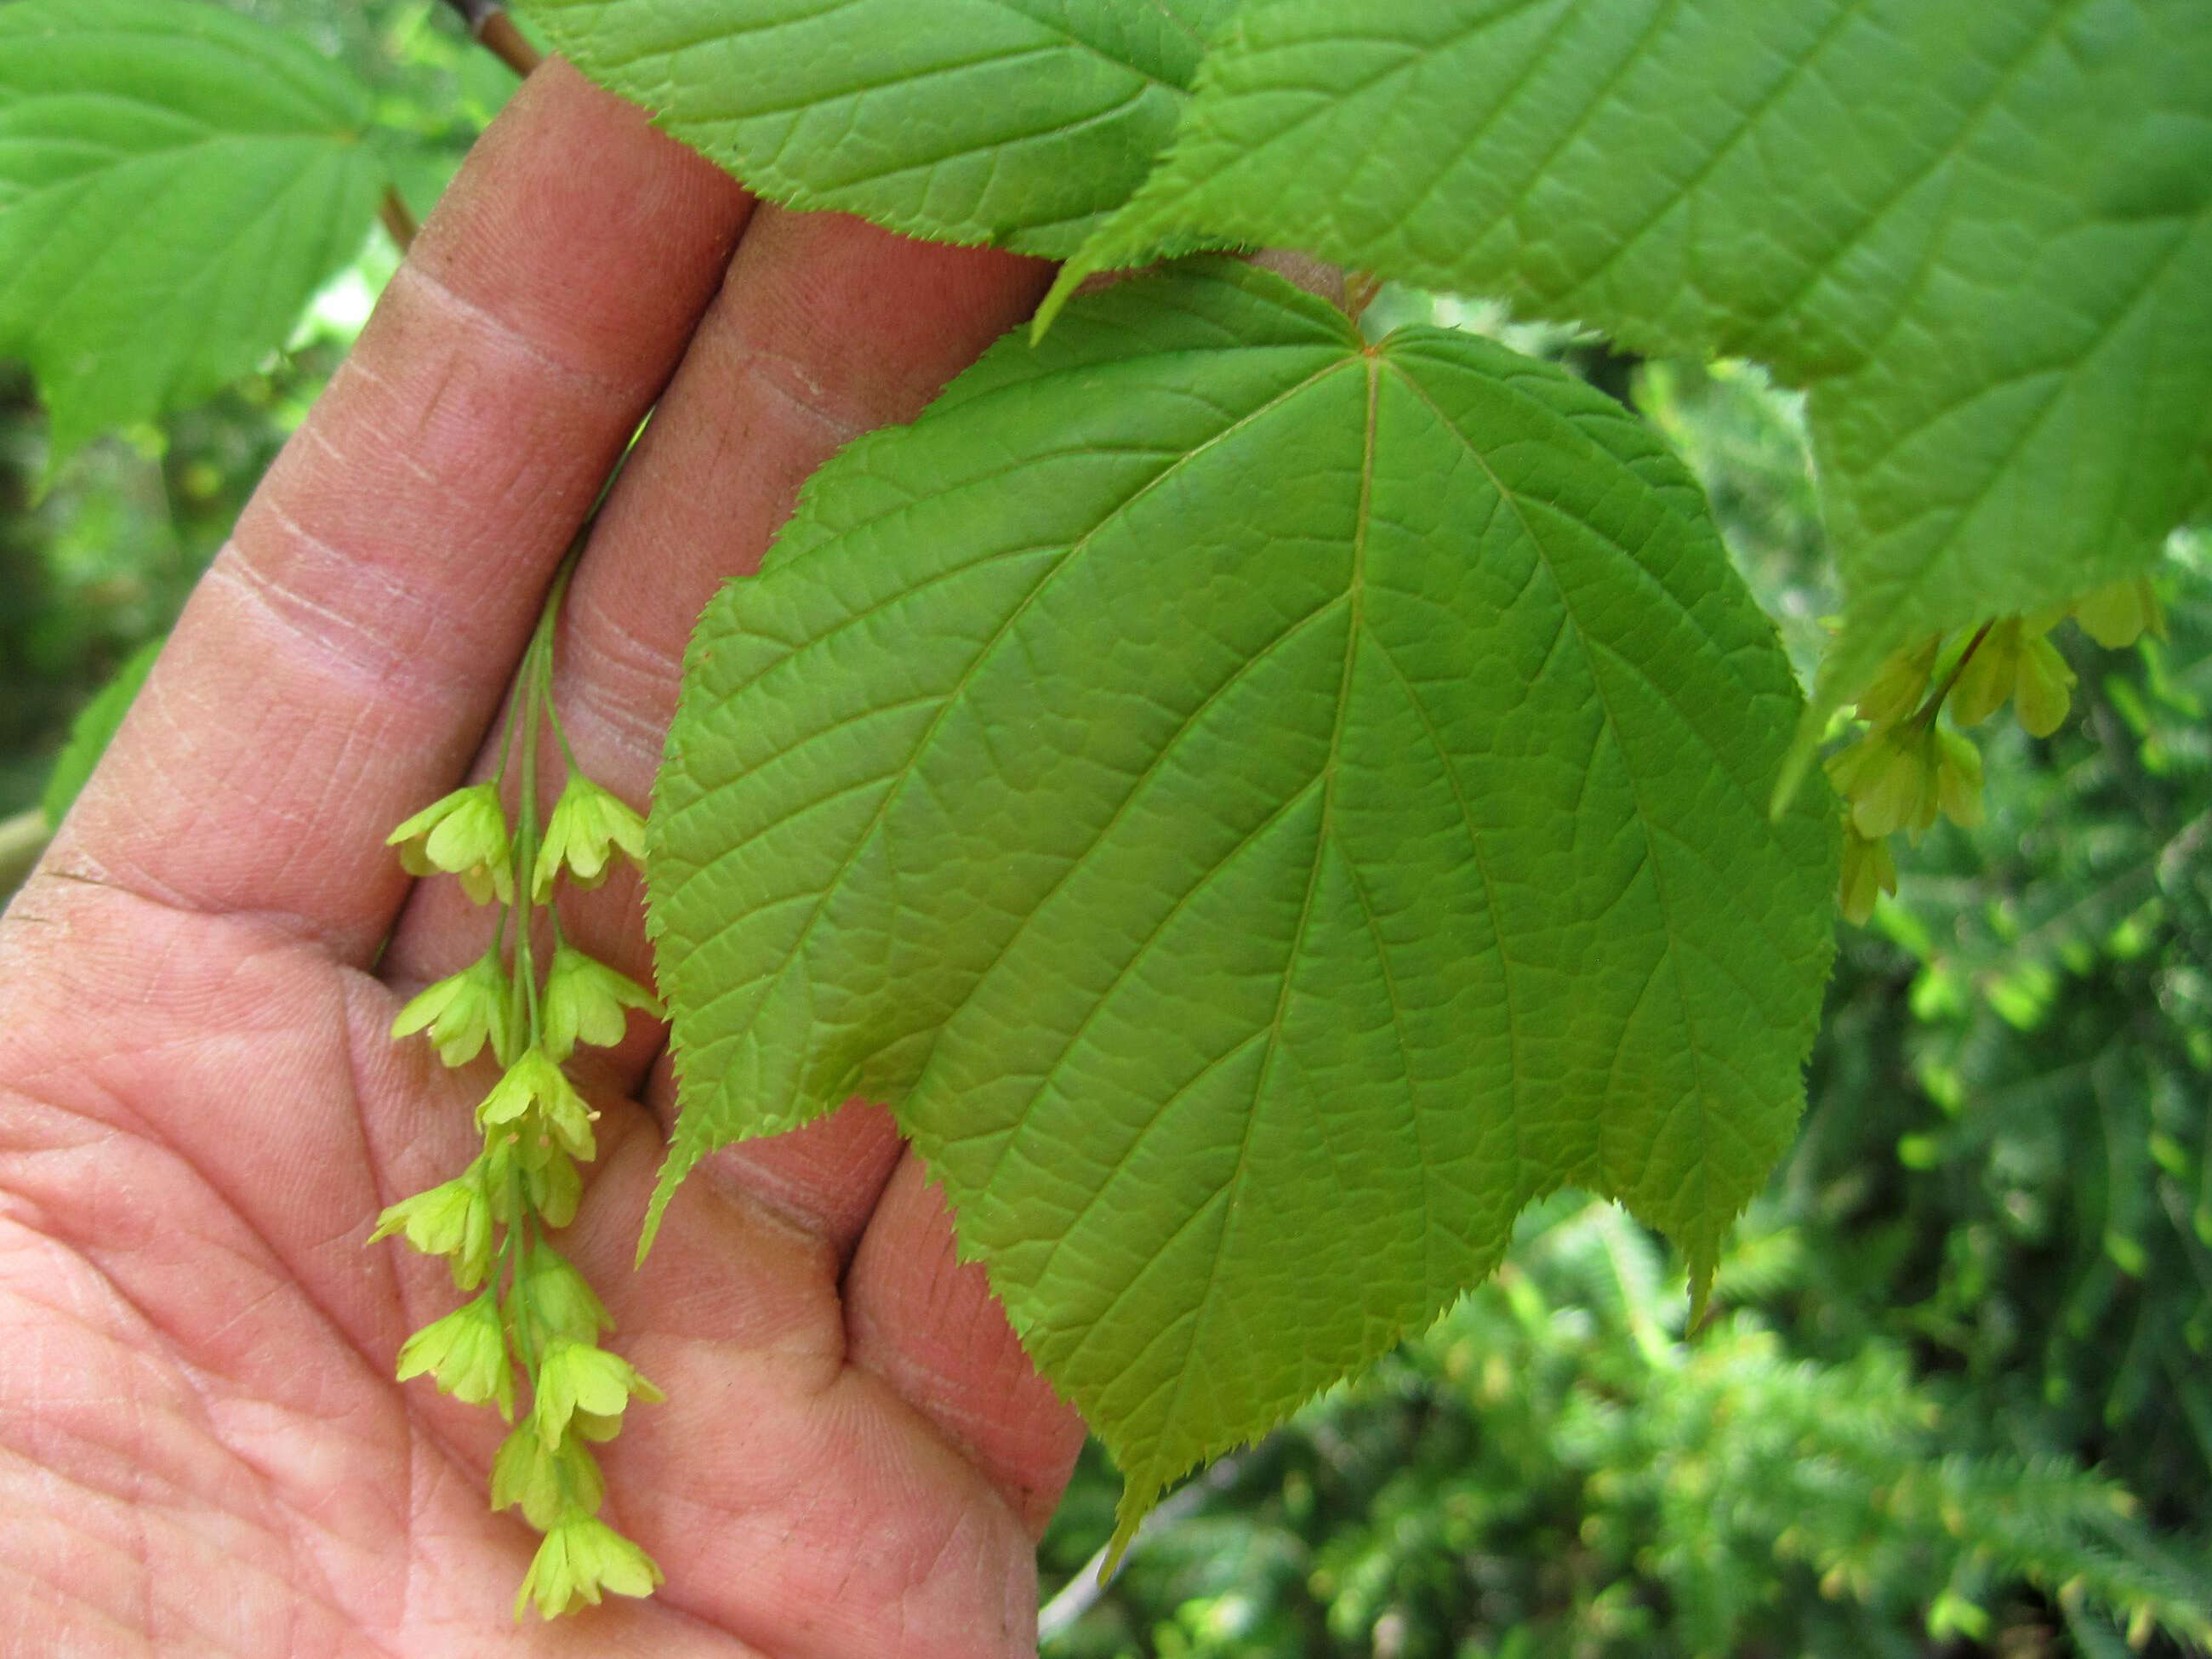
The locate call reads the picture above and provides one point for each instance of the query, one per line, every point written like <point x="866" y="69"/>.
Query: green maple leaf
<point x="1018" y="123"/>
<point x="1262" y="810"/>
<point x="1979" y="231"/>
<point x="175" y="181"/>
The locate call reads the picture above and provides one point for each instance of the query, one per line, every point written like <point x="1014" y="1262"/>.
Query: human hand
<point x="202" y="1449"/>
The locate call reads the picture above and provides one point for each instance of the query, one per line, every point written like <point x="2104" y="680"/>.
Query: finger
<point x="341" y="660"/>
<point x="925" y="1321"/>
<point x="826" y="326"/>
<point x="825" y="1178"/>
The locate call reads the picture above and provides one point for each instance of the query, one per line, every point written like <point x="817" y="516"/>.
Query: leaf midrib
<point x="1355" y="591"/>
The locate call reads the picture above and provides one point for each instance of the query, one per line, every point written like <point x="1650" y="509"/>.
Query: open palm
<point x="201" y="1113"/>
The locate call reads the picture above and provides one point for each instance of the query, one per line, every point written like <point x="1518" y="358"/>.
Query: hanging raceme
<point x="532" y="1310"/>
<point x="1903" y="768"/>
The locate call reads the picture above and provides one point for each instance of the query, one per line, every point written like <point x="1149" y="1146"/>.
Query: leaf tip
<point x="1798" y="762"/>
<point x="673" y="1168"/>
<point x="1703" y="1259"/>
<point x="1138" y="1499"/>
<point x="1055" y="300"/>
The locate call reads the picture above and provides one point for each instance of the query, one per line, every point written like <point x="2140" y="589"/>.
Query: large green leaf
<point x="1262" y="810"/>
<point x="1013" y="122"/>
<point x="1979" y="230"/>
<point x="174" y="182"/>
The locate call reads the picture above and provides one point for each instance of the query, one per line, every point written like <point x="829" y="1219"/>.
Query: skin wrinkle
<point x="135" y="878"/>
<point x="141" y="1463"/>
<point x="481" y="324"/>
<point x="191" y="1373"/>
<point x="789" y="1203"/>
<point x="787" y="379"/>
<point x="385" y="668"/>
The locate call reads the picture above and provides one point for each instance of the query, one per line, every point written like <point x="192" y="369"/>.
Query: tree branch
<point x="399" y="219"/>
<point x="1081" y="1592"/>
<point x="495" y="32"/>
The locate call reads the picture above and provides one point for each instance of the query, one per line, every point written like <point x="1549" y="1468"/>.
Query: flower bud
<point x="465" y="833"/>
<point x="588" y="823"/>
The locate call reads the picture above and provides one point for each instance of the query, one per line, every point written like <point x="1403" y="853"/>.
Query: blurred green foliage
<point x="1954" y="1399"/>
<point x="97" y="560"/>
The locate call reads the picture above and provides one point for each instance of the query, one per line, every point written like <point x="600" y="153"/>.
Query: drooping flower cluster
<point x="530" y="1311"/>
<point x="1903" y="769"/>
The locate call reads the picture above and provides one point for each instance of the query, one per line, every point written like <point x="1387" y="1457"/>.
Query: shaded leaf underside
<point x="1261" y="811"/>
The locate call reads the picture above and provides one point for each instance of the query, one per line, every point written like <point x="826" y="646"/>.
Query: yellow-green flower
<point x="586" y="1001"/>
<point x="1959" y="779"/>
<point x="537" y="1173"/>
<point x="557" y="1295"/>
<point x="452" y="1219"/>
<point x="536" y="1089"/>
<point x="2015" y="660"/>
<point x="555" y="1186"/>
<point x="545" y="1481"/>
<point x="463" y="834"/>
<point x="2044" y="688"/>
<point x="581" y="1556"/>
<point x="2121" y="613"/>
<point x="1888" y="778"/>
<point x="465" y="1354"/>
<point x="473" y="1007"/>
<point x="1897" y="689"/>
<point x="582" y="1377"/>
<point x="1869" y="873"/>
<point x="587" y="826"/>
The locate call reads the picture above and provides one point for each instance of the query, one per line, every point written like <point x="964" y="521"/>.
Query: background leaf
<point x="174" y="183"/>
<point x="1981" y="233"/>
<point x="96" y="725"/>
<point x="1013" y="122"/>
<point x="1262" y="810"/>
